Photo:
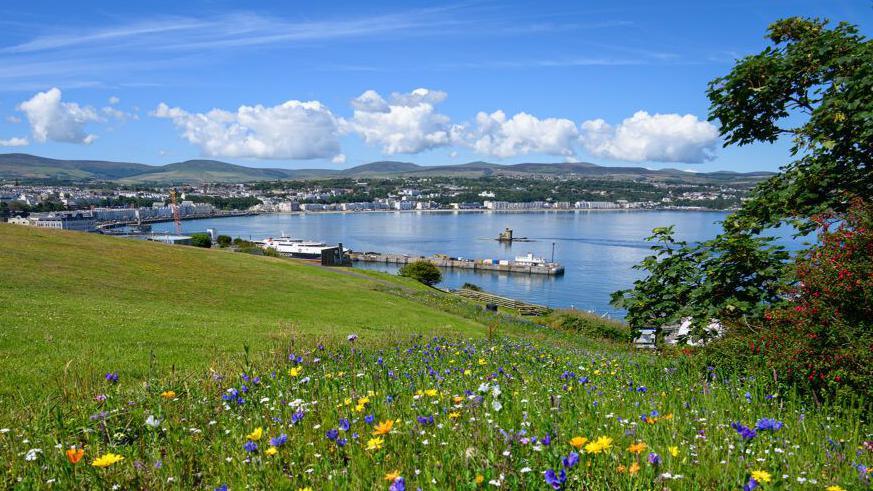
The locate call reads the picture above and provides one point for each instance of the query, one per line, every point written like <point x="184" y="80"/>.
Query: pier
<point x="440" y="261"/>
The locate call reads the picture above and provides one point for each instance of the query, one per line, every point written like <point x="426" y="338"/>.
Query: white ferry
<point x="299" y="248"/>
<point x="530" y="260"/>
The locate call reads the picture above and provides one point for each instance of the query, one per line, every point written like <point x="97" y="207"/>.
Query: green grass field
<point x="83" y="302"/>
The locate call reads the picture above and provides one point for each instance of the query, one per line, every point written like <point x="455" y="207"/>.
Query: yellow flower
<point x="454" y="415"/>
<point x="106" y="460"/>
<point x="457" y="399"/>
<point x="621" y="469"/>
<point x="634" y="468"/>
<point x="359" y="408"/>
<point x="256" y="435"/>
<point x="347" y="401"/>
<point x="467" y="372"/>
<point x="674" y="451"/>
<point x="168" y="394"/>
<point x="363" y="401"/>
<point x="375" y="443"/>
<point x="271" y="451"/>
<point x="762" y="476"/>
<point x="637" y="448"/>
<point x="479" y="479"/>
<point x="602" y="444"/>
<point x="383" y="428"/>
<point x="307" y="488"/>
<point x="578" y="441"/>
<point x="391" y="476"/>
<point x="482" y="361"/>
<point x="431" y="392"/>
<point x="295" y="371"/>
<point x="835" y="488"/>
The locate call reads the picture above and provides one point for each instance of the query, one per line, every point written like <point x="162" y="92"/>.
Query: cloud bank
<point x="409" y="123"/>
<point x="52" y="119"/>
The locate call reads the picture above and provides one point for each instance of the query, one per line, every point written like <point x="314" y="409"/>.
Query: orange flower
<point x="578" y="441"/>
<point x="74" y="455"/>
<point x="637" y="448"/>
<point x="634" y="468"/>
<point x="384" y="427"/>
<point x="168" y="394"/>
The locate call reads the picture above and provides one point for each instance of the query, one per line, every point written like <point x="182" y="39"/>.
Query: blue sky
<point x="299" y="85"/>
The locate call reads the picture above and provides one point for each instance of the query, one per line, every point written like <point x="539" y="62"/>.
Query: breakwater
<point x="553" y="269"/>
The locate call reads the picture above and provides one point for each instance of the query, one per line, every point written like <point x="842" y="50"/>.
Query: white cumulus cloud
<point x="651" y="137"/>
<point x="14" y="142"/>
<point x="52" y="119"/>
<point x="406" y="123"/>
<point x="291" y="130"/>
<point x="522" y="134"/>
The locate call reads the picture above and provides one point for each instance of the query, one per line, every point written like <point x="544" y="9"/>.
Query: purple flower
<point x="752" y="484"/>
<point x="112" y="377"/>
<point x="369" y="419"/>
<point x="223" y="487"/>
<point x="100" y="397"/>
<point x="297" y="416"/>
<point x="748" y="397"/>
<point x="555" y="481"/>
<point x="744" y="431"/>
<point x="654" y="458"/>
<point x="425" y="420"/>
<point x="344" y="424"/>
<point x="642" y="389"/>
<point x="768" y="424"/>
<point x="352" y="338"/>
<point x="341" y="442"/>
<point x="547" y="440"/>
<point x="570" y="460"/>
<point x="251" y="446"/>
<point x="332" y="434"/>
<point x="399" y="484"/>
<point x="279" y="440"/>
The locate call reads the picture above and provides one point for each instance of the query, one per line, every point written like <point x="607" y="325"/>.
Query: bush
<point x="422" y="271"/>
<point x="224" y="240"/>
<point x="471" y="286"/>
<point x="589" y="325"/>
<point x="823" y="339"/>
<point x="201" y="239"/>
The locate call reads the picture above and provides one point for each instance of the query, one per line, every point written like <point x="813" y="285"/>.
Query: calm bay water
<point x="597" y="248"/>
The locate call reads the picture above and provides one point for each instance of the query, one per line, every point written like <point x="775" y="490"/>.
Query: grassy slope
<point x="103" y="303"/>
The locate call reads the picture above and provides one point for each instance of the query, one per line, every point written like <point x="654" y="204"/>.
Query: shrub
<point x="471" y="286"/>
<point x="823" y="339"/>
<point x="589" y="325"/>
<point x="423" y="271"/>
<point x="201" y="239"/>
<point x="224" y="240"/>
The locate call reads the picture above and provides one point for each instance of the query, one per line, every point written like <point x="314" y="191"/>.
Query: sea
<point x="598" y="249"/>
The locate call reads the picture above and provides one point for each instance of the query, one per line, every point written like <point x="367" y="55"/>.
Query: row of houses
<point x="559" y="205"/>
<point x="87" y="220"/>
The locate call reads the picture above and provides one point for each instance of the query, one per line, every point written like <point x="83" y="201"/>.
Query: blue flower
<point x="425" y="420"/>
<point x="555" y="481"/>
<point x="332" y="434"/>
<point x="744" y="431"/>
<point x="344" y="424"/>
<point x="341" y="442"/>
<point x="223" y="487"/>
<point x="570" y="460"/>
<point x="112" y="377"/>
<point x="369" y="419"/>
<point x="654" y="458"/>
<point x="399" y="484"/>
<point x="251" y="446"/>
<point x="297" y="416"/>
<point x="768" y="424"/>
<point x="279" y="440"/>
<point x="752" y="484"/>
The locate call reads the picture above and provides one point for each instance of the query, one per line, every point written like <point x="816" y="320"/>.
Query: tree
<point x="821" y="81"/>
<point x="201" y="239"/>
<point x="224" y="240"/>
<point x="423" y="271"/>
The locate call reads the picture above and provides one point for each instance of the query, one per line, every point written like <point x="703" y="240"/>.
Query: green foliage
<point x="471" y="286"/>
<point x="821" y="80"/>
<point x="589" y="325"/>
<point x="224" y="240"/>
<point x="422" y="271"/>
<point x="732" y="278"/>
<point x="201" y="239"/>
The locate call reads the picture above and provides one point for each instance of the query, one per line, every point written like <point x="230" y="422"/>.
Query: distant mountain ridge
<point x="31" y="167"/>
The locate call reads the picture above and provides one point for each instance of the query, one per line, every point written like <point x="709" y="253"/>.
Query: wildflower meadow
<point x="438" y="413"/>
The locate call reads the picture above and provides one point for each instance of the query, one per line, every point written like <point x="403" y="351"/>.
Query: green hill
<point x="84" y="304"/>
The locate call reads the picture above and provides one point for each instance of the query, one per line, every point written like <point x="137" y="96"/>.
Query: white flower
<point x="152" y="421"/>
<point x="495" y="391"/>
<point x="4" y="430"/>
<point x="525" y="470"/>
<point x="496" y="406"/>
<point x="483" y="387"/>
<point x="32" y="454"/>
